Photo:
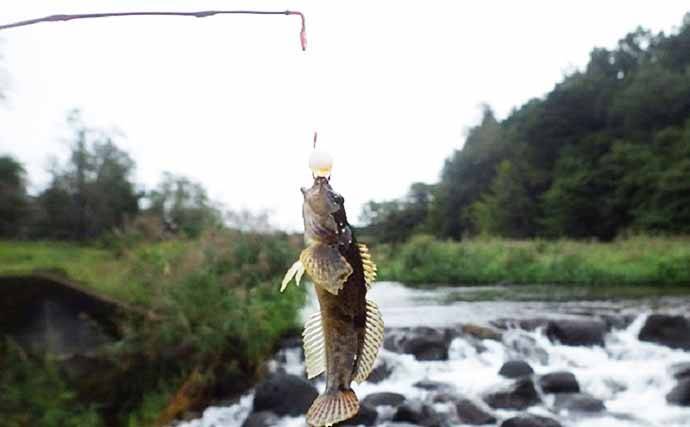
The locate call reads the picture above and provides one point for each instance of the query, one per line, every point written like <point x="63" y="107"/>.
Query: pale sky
<point x="232" y="101"/>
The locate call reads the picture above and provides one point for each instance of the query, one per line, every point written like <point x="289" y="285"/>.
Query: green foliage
<point x="509" y="188"/>
<point x="183" y="205"/>
<point x="632" y="261"/>
<point x="397" y="220"/>
<point x="212" y="307"/>
<point x="13" y="198"/>
<point x="92" y="193"/>
<point x="33" y="393"/>
<point x="606" y="151"/>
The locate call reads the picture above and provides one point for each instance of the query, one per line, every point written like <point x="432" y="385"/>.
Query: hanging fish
<point x="343" y="338"/>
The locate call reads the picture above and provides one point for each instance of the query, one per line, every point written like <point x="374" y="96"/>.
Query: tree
<point x="396" y="220"/>
<point x="183" y="205"/>
<point x="608" y="149"/>
<point x="13" y="197"/>
<point x="93" y="192"/>
<point x="506" y="209"/>
<point x="466" y="174"/>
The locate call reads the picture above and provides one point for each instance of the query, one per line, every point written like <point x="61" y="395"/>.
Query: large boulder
<point x="365" y="417"/>
<point x="671" y="331"/>
<point x="559" y="382"/>
<point x="515" y="369"/>
<point x="578" y="402"/>
<point x="481" y="332"/>
<point x="576" y="332"/>
<point x="423" y="343"/>
<point x="472" y="414"/>
<point x="384" y="398"/>
<point x="519" y="395"/>
<point x="417" y="412"/>
<point x="530" y="421"/>
<point x="680" y="394"/>
<point x="284" y="394"/>
<point x="50" y="315"/>
<point x="261" y="419"/>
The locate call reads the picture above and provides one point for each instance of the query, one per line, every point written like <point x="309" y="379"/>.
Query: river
<point x="629" y="376"/>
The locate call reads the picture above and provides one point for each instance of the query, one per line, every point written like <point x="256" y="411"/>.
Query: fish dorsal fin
<point x="373" y="338"/>
<point x="368" y="265"/>
<point x="314" y="346"/>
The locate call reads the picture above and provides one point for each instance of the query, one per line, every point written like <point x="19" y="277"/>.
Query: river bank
<point x="494" y="363"/>
<point x="634" y="261"/>
<point x="203" y="317"/>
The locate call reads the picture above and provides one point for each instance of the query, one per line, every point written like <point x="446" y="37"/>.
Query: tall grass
<point x="639" y="260"/>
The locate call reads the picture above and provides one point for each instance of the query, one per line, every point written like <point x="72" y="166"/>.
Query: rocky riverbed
<point x="522" y="364"/>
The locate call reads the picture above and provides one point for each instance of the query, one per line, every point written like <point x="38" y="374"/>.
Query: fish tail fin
<point x="331" y="408"/>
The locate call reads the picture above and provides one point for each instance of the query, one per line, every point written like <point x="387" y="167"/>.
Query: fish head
<point x="320" y="197"/>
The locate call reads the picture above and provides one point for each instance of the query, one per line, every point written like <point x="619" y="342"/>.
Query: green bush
<point x="636" y="260"/>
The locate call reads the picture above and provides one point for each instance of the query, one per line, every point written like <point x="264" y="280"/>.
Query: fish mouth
<point x="321" y="197"/>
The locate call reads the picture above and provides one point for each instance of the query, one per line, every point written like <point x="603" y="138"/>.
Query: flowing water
<point x="630" y="376"/>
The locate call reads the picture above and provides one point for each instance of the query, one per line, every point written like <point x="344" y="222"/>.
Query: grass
<point x="634" y="261"/>
<point x="215" y="299"/>
<point x="93" y="267"/>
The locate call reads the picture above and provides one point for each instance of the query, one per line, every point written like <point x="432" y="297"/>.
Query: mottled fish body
<point x="343" y="338"/>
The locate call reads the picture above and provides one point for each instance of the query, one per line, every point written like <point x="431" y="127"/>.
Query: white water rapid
<point x="631" y="377"/>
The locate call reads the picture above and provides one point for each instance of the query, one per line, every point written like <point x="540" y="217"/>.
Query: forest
<point x="605" y="153"/>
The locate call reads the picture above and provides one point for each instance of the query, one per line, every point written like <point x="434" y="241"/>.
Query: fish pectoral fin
<point x="326" y="267"/>
<point x="296" y="271"/>
<point x="368" y="265"/>
<point x="332" y="408"/>
<point x="314" y="346"/>
<point x="373" y="338"/>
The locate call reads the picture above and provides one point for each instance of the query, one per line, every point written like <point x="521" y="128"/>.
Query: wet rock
<point x="559" y="382"/>
<point x="530" y="421"/>
<point x="366" y="416"/>
<point x="525" y="324"/>
<point x="284" y="395"/>
<point x="680" y="370"/>
<point x="515" y="369"/>
<point x="471" y="413"/>
<point x="427" y="346"/>
<point x="671" y="331"/>
<point x="519" y="395"/>
<point x="291" y="342"/>
<point x="261" y="419"/>
<point x="380" y="372"/>
<point x="422" y="342"/>
<point x="578" y="402"/>
<point x="520" y="345"/>
<point x="617" y="322"/>
<point x="416" y="412"/>
<point x="481" y="332"/>
<point x="434" y="386"/>
<point x="576" y="332"/>
<point x="680" y="394"/>
<point x="384" y="398"/>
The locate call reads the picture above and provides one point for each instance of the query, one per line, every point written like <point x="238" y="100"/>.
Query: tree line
<point x="93" y="194"/>
<point x="607" y="151"/>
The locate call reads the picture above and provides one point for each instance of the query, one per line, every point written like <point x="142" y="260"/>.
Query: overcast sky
<point x="232" y="101"/>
